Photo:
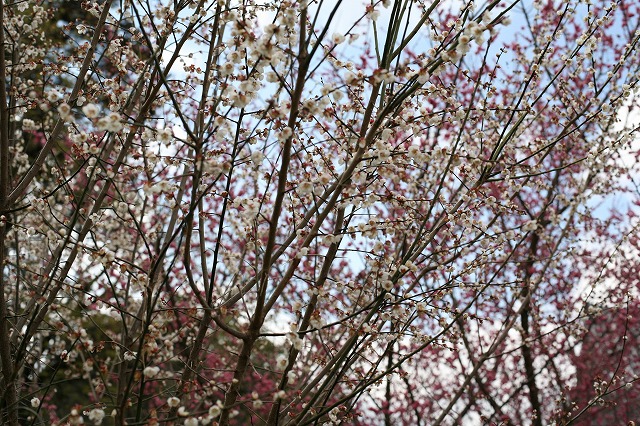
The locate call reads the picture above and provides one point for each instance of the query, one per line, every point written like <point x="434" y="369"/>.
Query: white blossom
<point x="91" y="110"/>
<point x="150" y="372"/>
<point x="96" y="415"/>
<point x="337" y="38"/>
<point x="173" y="401"/>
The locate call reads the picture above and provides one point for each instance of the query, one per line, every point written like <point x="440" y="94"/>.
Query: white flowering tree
<point x="308" y="212"/>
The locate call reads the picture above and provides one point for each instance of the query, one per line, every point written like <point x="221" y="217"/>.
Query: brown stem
<point x="387" y="390"/>
<point x="306" y="320"/>
<point x="530" y="370"/>
<point x="9" y="393"/>
<point x="527" y="357"/>
<point x="481" y="385"/>
<point x="258" y="317"/>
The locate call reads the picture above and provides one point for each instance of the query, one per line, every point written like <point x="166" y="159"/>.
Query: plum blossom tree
<point x="318" y="212"/>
